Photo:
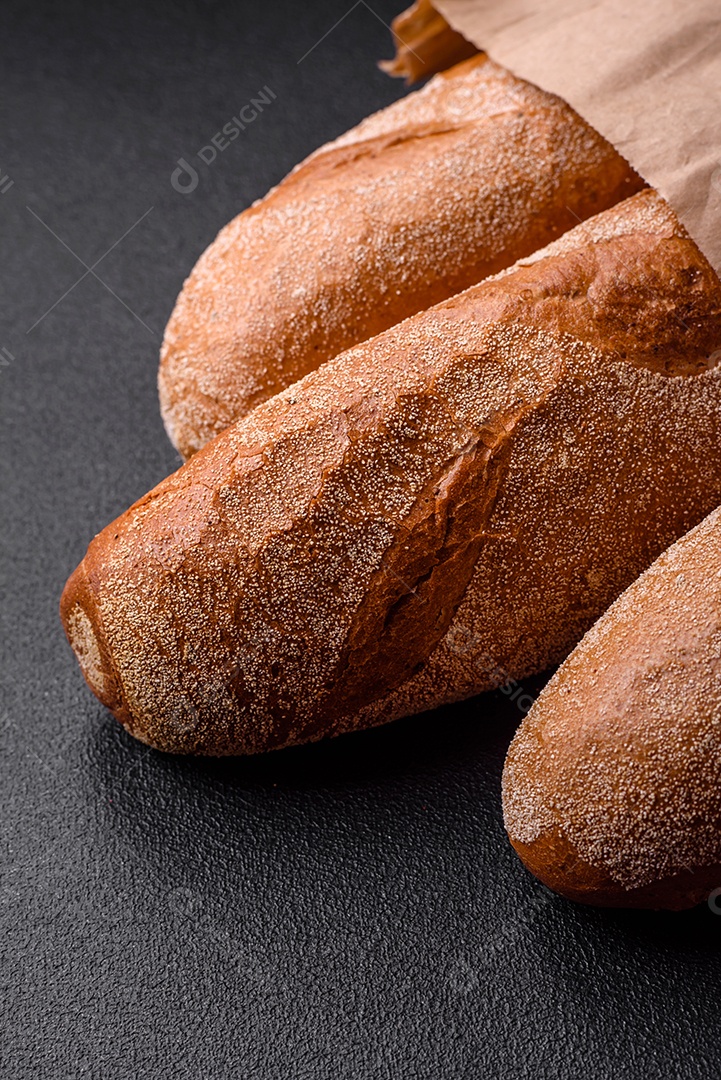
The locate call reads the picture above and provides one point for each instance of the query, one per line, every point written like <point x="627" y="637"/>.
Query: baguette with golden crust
<point x="421" y="200"/>
<point x="612" y="785"/>
<point x="463" y="494"/>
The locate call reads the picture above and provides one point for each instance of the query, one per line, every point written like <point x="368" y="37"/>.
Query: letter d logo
<point x="184" y="179"/>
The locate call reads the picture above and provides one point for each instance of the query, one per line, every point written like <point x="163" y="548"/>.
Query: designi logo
<point x="185" y="177"/>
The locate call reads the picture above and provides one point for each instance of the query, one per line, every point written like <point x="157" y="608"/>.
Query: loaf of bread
<point x="449" y="504"/>
<point x="427" y="197"/>
<point x="612" y="786"/>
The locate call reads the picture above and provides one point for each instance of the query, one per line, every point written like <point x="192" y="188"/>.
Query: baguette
<point x="463" y="494"/>
<point x="421" y="200"/>
<point x="612" y="785"/>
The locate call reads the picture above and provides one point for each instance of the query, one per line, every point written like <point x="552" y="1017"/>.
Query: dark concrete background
<point x="347" y="910"/>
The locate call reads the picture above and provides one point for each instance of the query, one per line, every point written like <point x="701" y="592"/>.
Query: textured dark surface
<point x="346" y="910"/>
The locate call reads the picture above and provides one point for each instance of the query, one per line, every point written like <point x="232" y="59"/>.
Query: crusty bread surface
<point x="612" y="786"/>
<point x="445" y="506"/>
<point x="416" y="203"/>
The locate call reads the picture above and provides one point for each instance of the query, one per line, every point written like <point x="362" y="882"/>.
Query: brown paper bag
<point x="646" y="74"/>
